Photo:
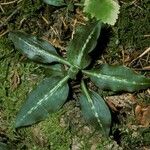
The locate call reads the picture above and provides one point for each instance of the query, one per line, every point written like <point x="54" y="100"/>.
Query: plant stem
<point x="86" y="72"/>
<point x="83" y="87"/>
<point x="79" y="4"/>
<point x="63" y="61"/>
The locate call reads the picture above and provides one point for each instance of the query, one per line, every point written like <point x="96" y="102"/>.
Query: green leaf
<point x="55" y="70"/>
<point x="72" y="72"/>
<point x="34" y="48"/>
<point x="47" y="98"/>
<point x="95" y="110"/>
<point x="84" y="41"/>
<point x="118" y="78"/>
<point x="105" y="10"/>
<point x="55" y="2"/>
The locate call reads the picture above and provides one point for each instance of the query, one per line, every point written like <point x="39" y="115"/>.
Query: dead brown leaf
<point x="15" y="80"/>
<point x="39" y="137"/>
<point x="142" y="114"/>
<point x="120" y="101"/>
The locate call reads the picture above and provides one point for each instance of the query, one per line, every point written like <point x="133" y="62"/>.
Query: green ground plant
<point x="50" y="95"/>
<point x="105" y="10"/>
<point x="19" y="75"/>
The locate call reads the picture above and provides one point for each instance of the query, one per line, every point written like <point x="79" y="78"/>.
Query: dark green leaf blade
<point x="34" y="48"/>
<point x="118" y="78"/>
<point x="55" y="2"/>
<point x="47" y="98"/>
<point x="84" y="41"/>
<point x="95" y="110"/>
<point x="54" y="70"/>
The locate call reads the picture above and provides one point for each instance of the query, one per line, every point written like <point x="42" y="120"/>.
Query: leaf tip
<point x="17" y="124"/>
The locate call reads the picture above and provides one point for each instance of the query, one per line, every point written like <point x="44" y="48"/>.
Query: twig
<point x="54" y="31"/>
<point x="147" y="35"/>
<point x="73" y="25"/>
<point x="10" y="16"/>
<point x="144" y="53"/>
<point x="63" y="21"/>
<point x="123" y="57"/>
<point x="147" y="60"/>
<point x="21" y="22"/>
<point x="2" y="8"/>
<point x="4" y="33"/>
<point x="144" y="68"/>
<point x="46" y="21"/>
<point x="19" y="1"/>
<point x="8" y="3"/>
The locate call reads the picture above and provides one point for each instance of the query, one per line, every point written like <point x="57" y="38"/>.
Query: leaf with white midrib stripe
<point x="84" y="41"/>
<point x="47" y="98"/>
<point x="117" y="78"/>
<point x="34" y="48"/>
<point x="95" y="110"/>
<point x="83" y="49"/>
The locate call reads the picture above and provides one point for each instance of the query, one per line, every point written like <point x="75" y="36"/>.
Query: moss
<point x="130" y="34"/>
<point x="58" y="137"/>
<point x="133" y="24"/>
<point x="13" y="66"/>
<point x="30" y="8"/>
<point x="135" y="139"/>
<point x="12" y="91"/>
<point x="145" y="132"/>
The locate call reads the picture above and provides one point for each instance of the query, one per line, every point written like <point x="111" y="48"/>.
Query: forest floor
<point x="126" y="43"/>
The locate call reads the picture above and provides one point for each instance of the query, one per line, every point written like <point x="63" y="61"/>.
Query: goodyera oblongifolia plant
<point x="52" y="92"/>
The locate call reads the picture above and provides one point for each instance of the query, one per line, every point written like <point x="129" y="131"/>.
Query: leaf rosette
<point x="51" y="94"/>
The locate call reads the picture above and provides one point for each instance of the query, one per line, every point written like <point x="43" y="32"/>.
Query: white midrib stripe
<point x="79" y="58"/>
<point x="48" y="54"/>
<point x="113" y="78"/>
<point x="40" y="51"/>
<point x="94" y="111"/>
<point x="50" y="93"/>
<point x="92" y="106"/>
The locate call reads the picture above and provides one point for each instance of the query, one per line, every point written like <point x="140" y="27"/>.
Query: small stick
<point x="144" y="53"/>
<point x="147" y="35"/>
<point x="62" y="19"/>
<point x="73" y="32"/>
<point x="46" y="21"/>
<point x="19" y="1"/>
<point x="53" y="30"/>
<point x="21" y="22"/>
<point x="10" y="16"/>
<point x="144" y="68"/>
<point x="147" y="60"/>
<point x="8" y="3"/>
<point x="4" y="33"/>
<point x="123" y="59"/>
<point x="2" y="9"/>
